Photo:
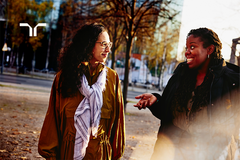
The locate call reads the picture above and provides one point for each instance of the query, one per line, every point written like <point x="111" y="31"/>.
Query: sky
<point x="222" y="16"/>
<point x="57" y="8"/>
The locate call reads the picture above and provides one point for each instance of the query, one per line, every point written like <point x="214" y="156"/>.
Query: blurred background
<point x="148" y="35"/>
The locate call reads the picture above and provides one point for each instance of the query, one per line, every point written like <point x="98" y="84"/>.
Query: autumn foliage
<point x="27" y="11"/>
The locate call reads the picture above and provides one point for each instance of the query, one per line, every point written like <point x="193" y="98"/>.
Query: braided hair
<point x="72" y="55"/>
<point x="188" y="82"/>
<point x="209" y="37"/>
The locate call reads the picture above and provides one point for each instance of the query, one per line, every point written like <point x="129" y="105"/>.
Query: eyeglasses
<point x="104" y="44"/>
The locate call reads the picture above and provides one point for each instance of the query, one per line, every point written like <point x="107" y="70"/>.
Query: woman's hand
<point x="146" y="100"/>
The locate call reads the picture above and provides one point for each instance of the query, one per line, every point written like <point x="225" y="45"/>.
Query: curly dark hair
<point x="188" y="82"/>
<point x="72" y="55"/>
<point x="209" y="37"/>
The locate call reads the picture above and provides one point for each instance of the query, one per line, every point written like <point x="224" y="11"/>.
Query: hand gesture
<point x="146" y="100"/>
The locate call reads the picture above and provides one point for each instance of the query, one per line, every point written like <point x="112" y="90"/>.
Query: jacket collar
<point x="216" y="70"/>
<point x="98" y="69"/>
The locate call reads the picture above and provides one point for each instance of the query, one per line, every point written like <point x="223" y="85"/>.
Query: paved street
<point x="44" y="83"/>
<point x="25" y="97"/>
<point x="24" y="101"/>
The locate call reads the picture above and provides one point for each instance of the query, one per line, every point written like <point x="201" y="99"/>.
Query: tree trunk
<point x="33" y="61"/>
<point x="127" y="67"/>
<point x="113" y="57"/>
<point x="49" y="45"/>
<point x="114" y="45"/>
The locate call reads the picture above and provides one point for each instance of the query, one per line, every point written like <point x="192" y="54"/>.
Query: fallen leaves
<point x="16" y="133"/>
<point x="3" y="150"/>
<point x="28" y="150"/>
<point x="132" y="148"/>
<point x="14" y="142"/>
<point x="20" y="123"/>
<point x="34" y="132"/>
<point x="27" y="145"/>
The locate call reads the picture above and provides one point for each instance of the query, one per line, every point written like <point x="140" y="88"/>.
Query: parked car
<point x="147" y="85"/>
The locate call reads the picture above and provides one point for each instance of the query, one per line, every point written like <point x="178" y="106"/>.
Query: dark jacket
<point x="224" y="96"/>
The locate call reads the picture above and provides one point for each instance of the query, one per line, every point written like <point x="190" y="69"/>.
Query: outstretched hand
<point x="146" y="100"/>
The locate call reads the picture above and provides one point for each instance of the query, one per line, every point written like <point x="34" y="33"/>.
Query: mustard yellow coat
<point x="58" y="132"/>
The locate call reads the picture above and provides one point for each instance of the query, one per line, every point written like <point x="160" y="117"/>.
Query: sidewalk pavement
<point x="41" y="74"/>
<point x="141" y="133"/>
<point x="141" y="125"/>
<point x="51" y="75"/>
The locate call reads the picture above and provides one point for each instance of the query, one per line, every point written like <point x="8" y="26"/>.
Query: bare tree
<point x="108" y="15"/>
<point x="139" y="18"/>
<point x="128" y="19"/>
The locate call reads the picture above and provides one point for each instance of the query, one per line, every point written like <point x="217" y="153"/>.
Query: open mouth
<point x="104" y="55"/>
<point x="189" y="60"/>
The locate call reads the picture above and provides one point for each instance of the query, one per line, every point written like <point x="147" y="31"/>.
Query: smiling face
<point x="196" y="54"/>
<point x="100" y="52"/>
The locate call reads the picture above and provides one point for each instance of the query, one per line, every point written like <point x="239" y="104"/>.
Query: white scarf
<point x="88" y="113"/>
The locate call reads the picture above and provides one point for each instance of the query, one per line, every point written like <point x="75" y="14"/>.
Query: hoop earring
<point x="208" y="56"/>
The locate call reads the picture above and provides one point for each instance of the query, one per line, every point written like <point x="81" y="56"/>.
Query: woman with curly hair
<point x="199" y="108"/>
<point x="85" y="116"/>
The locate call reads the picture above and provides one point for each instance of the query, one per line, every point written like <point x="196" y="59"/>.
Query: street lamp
<point x="3" y="49"/>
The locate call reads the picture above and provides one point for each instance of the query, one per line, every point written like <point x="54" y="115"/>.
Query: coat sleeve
<point x="117" y="138"/>
<point x="48" y="144"/>
<point x="160" y="109"/>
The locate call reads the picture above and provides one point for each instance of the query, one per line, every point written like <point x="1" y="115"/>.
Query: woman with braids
<point x="199" y="108"/>
<point x="85" y="117"/>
